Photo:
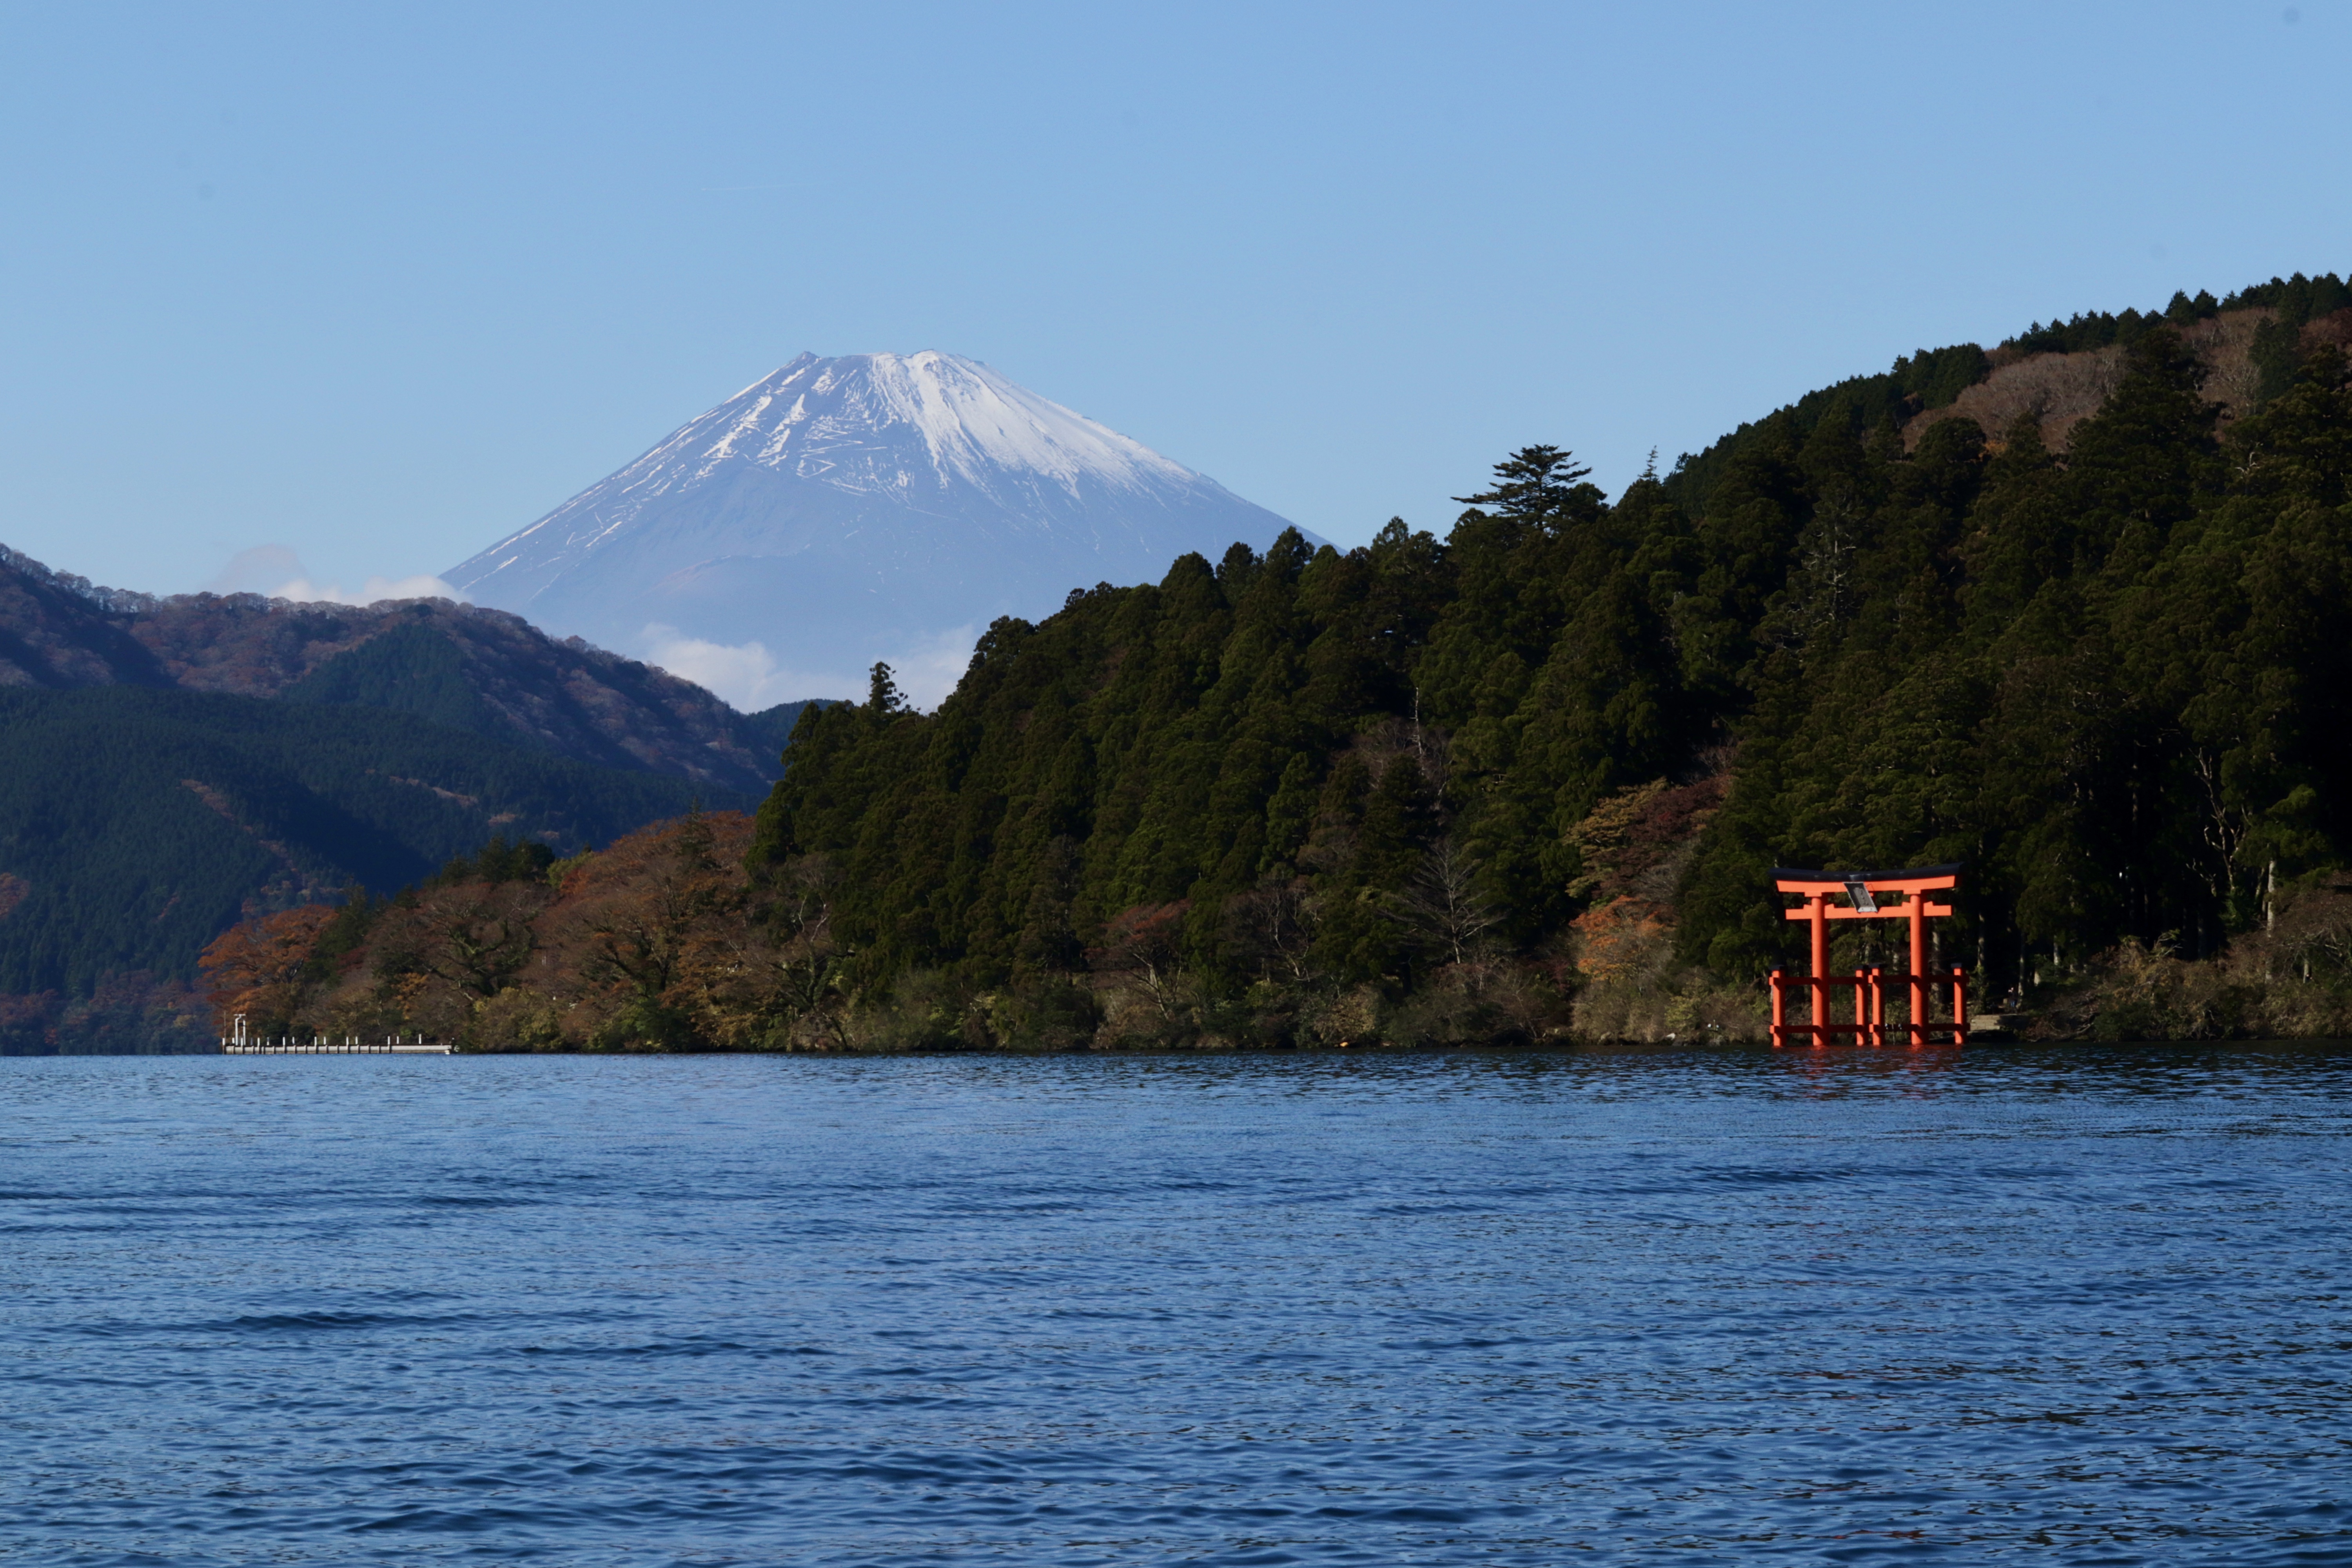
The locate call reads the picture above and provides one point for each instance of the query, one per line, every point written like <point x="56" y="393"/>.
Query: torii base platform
<point x="1863" y="890"/>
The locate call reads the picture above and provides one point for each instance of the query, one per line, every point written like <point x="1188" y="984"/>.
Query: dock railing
<point x="243" y="1045"/>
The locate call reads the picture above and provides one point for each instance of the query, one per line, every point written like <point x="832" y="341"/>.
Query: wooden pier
<point x="394" y="1046"/>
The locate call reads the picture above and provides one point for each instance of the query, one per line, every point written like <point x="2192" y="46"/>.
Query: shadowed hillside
<point x="155" y="819"/>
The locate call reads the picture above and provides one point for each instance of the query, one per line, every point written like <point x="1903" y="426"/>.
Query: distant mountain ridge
<point x="176" y="764"/>
<point x="848" y="509"/>
<point x="472" y="669"/>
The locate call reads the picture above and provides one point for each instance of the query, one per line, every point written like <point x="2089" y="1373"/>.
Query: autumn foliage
<point x="255" y="970"/>
<point x="659" y="942"/>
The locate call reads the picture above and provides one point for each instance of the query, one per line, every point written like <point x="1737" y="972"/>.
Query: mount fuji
<point x="849" y="509"/>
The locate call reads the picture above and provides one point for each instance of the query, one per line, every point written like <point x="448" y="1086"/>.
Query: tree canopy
<point x="1529" y="779"/>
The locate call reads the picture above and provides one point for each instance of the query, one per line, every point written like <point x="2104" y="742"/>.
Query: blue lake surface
<point x="2077" y="1306"/>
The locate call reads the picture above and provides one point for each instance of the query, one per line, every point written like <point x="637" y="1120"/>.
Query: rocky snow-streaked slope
<point x="867" y="507"/>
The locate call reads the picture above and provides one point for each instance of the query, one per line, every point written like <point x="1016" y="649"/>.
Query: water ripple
<point x="2071" y="1306"/>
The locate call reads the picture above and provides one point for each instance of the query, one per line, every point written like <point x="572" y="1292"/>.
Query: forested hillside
<point x="1479" y="776"/>
<point x="136" y="823"/>
<point x="1528" y="781"/>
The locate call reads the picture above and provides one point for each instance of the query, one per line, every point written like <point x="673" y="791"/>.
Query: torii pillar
<point x="1862" y="892"/>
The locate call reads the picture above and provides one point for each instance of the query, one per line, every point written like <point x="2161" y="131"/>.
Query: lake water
<point x="2010" y="1305"/>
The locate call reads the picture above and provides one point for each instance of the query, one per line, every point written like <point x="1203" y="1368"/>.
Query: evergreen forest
<point x="1529" y="780"/>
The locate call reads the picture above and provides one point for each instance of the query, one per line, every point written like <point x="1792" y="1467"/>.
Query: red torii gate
<point x="1862" y="891"/>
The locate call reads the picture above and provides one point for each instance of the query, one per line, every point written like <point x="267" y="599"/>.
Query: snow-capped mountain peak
<point x="837" y="507"/>
<point x="972" y="423"/>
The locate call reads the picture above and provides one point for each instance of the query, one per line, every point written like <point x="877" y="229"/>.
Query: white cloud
<point x="929" y="671"/>
<point x="748" y="677"/>
<point x="302" y="591"/>
<point x="744" y="674"/>
<point x="277" y="570"/>
<point x="253" y="571"/>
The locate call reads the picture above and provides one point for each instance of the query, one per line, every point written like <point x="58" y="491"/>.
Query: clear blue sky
<point x="381" y="283"/>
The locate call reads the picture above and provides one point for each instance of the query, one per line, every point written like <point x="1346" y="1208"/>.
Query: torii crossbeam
<point x="1864" y="892"/>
